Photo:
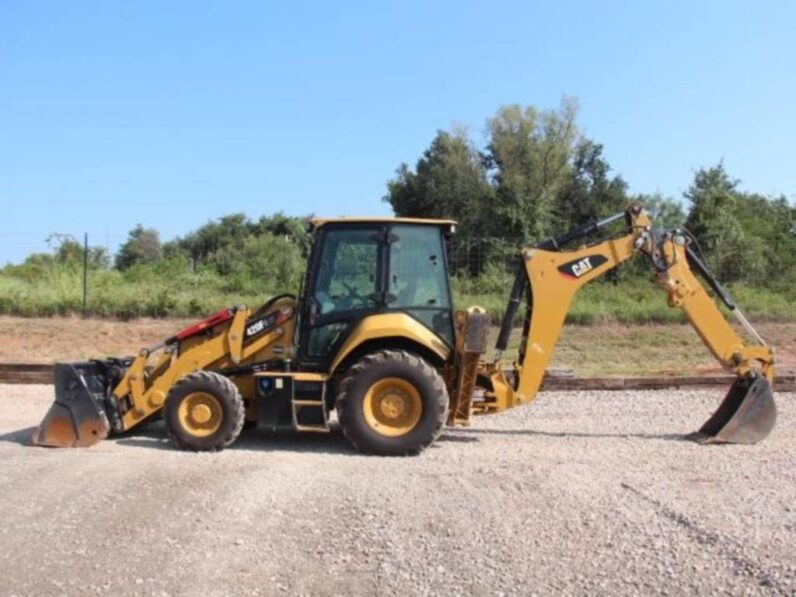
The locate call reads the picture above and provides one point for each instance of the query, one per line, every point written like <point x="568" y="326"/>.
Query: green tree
<point x="67" y="250"/>
<point x="529" y="157"/>
<point x="213" y="236"/>
<point x="142" y="246"/>
<point x="288" y="227"/>
<point x="261" y="265"/>
<point x="589" y="193"/>
<point x="212" y="244"/>
<point x="666" y="212"/>
<point x="713" y="218"/>
<point x="449" y="181"/>
<point x="67" y="255"/>
<point x="770" y="229"/>
<point x="711" y="192"/>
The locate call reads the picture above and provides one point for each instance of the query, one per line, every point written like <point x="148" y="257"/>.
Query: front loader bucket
<point x="746" y="415"/>
<point x="77" y="418"/>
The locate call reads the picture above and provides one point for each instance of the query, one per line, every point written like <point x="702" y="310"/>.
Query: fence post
<point x="85" y="274"/>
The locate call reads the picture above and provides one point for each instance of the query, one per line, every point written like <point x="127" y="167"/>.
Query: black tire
<point x="228" y="402"/>
<point x="382" y="365"/>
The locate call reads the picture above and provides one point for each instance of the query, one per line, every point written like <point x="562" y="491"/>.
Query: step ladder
<point x="308" y="404"/>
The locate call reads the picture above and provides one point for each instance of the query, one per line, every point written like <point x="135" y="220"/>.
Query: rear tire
<point x="392" y="403"/>
<point x="204" y="412"/>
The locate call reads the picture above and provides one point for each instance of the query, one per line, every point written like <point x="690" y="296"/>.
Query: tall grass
<point x="113" y="294"/>
<point x="634" y="300"/>
<point x="179" y="292"/>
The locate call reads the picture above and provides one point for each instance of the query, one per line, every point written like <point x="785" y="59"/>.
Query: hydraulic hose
<point x="703" y="271"/>
<point x="517" y="290"/>
<point x="521" y="278"/>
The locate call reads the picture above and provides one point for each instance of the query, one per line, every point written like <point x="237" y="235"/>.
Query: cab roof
<point x="318" y="222"/>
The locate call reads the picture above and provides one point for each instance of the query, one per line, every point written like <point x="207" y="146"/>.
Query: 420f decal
<point x="261" y="325"/>
<point x="577" y="267"/>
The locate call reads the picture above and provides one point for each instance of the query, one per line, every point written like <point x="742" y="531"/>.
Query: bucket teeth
<point x="746" y="415"/>
<point x="77" y="418"/>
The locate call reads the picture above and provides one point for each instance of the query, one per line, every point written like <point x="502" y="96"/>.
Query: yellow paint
<point x="200" y="414"/>
<point x="235" y="338"/>
<point x="392" y="407"/>
<point x="318" y="222"/>
<point x="686" y="292"/>
<point x="223" y="349"/>
<point x="553" y="294"/>
<point x="391" y="325"/>
<point x="307" y="376"/>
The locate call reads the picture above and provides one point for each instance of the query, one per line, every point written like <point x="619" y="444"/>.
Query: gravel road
<point x="578" y="493"/>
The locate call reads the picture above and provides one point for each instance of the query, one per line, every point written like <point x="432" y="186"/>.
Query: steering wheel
<point x="363" y="301"/>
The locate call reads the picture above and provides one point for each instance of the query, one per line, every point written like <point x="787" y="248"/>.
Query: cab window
<point x="347" y="275"/>
<point x="418" y="277"/>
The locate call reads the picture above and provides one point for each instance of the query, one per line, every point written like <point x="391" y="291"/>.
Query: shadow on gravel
<point x="20" y="436"/>
<point x="673" y="437"/>
<point x="154" y="437"/>
<point x="322" y="443"/>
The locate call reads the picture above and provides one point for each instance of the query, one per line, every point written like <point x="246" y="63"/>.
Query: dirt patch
<point x="599" y="350"/>
<point x="47" y="340"/>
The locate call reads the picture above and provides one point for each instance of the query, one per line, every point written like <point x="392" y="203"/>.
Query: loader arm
<point x="98" y="397"/>
<point x="139" y="400"/>
<point x="549" y="279"/>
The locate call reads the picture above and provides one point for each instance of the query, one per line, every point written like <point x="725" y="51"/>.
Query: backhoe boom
<point x="549" y="279"/>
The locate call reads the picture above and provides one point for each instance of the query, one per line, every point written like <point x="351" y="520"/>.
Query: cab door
<point x="345" y="284"/>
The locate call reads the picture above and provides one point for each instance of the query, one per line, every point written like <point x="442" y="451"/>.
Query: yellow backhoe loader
<point x="373" y="335"/>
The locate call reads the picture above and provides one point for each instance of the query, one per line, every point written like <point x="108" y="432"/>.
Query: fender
<point x="384" y="325"/>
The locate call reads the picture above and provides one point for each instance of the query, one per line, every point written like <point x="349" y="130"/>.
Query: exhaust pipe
<point x="746" y="415"/>
<point x="83" y="413"/>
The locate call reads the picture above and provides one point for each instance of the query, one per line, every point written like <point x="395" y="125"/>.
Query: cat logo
<point x="575" y="269"/>
<point x="581" y="267"/>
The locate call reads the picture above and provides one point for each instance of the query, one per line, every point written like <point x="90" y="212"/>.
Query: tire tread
<point x="343" y="403"/>
<point x="224" y="387"/>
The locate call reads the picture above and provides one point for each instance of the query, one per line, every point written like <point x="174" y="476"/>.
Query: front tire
<point x="204" y="412"/>
<point x="393" y="403"/>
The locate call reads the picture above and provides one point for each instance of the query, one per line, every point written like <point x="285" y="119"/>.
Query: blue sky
<point x="173" y="113"/>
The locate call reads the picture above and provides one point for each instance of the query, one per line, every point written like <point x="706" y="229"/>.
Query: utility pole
<point x="85" y="274"/>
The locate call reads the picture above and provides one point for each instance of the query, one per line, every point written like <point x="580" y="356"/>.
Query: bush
<point x="167" y="287"/>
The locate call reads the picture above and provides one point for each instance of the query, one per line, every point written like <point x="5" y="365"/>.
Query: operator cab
<point x="361" y="267"/>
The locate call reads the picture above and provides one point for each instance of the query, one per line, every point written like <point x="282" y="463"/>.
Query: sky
<point x="170" y="113"/>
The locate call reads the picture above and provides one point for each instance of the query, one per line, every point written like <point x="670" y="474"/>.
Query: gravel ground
<point x="578" y="493"/>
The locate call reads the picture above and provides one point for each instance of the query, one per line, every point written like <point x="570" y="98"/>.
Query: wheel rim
<point x="392" y="406"/>
<point x="200" y="414"/>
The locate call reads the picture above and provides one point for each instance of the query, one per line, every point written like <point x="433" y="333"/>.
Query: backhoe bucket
<point x="77" y="418"/>
<point x="746" y="415"/>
